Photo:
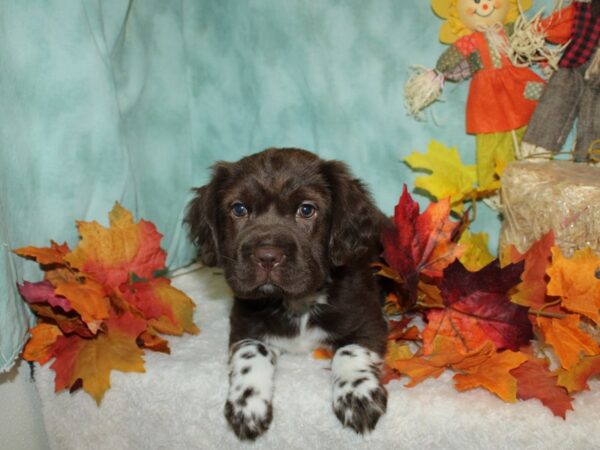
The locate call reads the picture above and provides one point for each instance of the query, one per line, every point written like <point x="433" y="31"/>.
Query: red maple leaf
<point x="419" y="244"/>
<point x="41" y="292"/>
<point x="477" y="308"/>
<point x="534" y="380"/>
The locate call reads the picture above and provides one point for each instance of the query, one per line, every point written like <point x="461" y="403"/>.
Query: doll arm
<point x="425" y="85"/>
<point x="453" y="65"/>
<point x="558" y="25"/>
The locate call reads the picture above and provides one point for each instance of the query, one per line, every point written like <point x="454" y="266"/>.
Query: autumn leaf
<point x="569" y="342"/>
<point x="443" y="355"/>
<point x="111" y="255"/>
<point x="494" y="374"/>
<point x="68" y="323"/>
<point x="399" y="330"/>
<point x="477" y="309"/>
<point x="575" y="280"/>
<point x="43" y="292"/>
<point x="88" y="299"/>
<point x="92" y="360"/>
<point x="575" y="379"/>
<point x="448" y="176"/>
<point x="152" y="341"/>
<point x="419" y="368"/>
<point x="45" y="255"/>
<point x="167" y="308"/>
<point x="476" y="254"/>
<point x="322" y="353"/>
<point x="531" y="292"/>
<point x="181" y="318"/>
<point x="418" y="244"/>
<point x="39" y="346"/>
<point x="534" y="380"/>
<point x="101" y="305"/>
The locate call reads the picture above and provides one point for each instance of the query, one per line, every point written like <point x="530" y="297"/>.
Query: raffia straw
<point x="423" y="87"/>
<point x="594" y="151"/>
<point x="528" y="44"/>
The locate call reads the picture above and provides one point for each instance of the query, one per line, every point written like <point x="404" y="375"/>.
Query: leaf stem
<point x="540" y="312"/>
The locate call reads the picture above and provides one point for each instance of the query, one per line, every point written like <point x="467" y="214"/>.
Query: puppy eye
<point x="306" y="210"/>
<point x="239" y="210"/>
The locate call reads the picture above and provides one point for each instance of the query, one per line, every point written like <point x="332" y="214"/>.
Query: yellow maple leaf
<point x="575" y="281"/>
<point x="475" y="254"/>
<point x="449" y="176"/>
<point x="91" y="361"/>
<point x="113" y="254"/>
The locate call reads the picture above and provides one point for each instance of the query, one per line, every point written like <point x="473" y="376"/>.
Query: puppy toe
<point x="361" y="411"/>
<point x="249" y="418"/>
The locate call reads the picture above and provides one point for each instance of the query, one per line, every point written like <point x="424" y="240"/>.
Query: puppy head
<point x="278" y="221"/>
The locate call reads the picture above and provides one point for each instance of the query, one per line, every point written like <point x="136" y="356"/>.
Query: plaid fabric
<point x="585" y="35"/>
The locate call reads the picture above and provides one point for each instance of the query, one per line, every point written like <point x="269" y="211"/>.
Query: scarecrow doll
<point x="573" y="91"/>
<point x="502" y="96"/>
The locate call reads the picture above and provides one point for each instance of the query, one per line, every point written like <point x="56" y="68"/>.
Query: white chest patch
<point x="307" y="339"/>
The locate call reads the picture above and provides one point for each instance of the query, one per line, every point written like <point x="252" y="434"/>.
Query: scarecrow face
<point x="478" y="14"/>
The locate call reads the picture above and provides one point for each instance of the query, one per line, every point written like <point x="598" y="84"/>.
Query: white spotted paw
<point x="359" y="399"/>
<point x="248" y="408"/>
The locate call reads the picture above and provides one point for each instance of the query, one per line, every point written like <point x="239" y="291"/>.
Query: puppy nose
<point x="269" y="257"/>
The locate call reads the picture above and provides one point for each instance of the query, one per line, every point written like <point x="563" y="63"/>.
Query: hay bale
<point x="551" y="195"/>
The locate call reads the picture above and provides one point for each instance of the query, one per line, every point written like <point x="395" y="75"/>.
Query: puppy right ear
<point x="200" y="218"/>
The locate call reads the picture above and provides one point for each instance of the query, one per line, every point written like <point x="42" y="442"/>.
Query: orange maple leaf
<point x="39" y="346"/>
<point x="45" y="255"/>
<point x="493" y="374"/>
<point x="570" y="343"/>
<point x="575" y="379"/>
<point x="531" y="292"/>
<point x="88" y="299"/>
<point x="443" y="355"/>
<point x="534" y="380"/>
<point x="111" y="255"/>
<point x="575" y="280"/>
<point x="90" y="361"/>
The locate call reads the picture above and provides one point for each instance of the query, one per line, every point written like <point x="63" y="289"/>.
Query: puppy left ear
<point x="356" y="222"/>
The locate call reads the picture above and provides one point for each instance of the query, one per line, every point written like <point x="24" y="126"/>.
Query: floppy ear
<point x="202" y="217"/>
<point x="356" y="222"/>
<point x="202" y="226"/>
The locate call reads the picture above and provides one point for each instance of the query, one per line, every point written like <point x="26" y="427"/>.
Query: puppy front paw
<point x="248" y="408"/>
<point x="359" y="399"/>
<point x="361" y="411"/>
<point x="249" y="415"/>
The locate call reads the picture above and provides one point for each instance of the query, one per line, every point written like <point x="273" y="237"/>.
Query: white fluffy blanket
<point x="178" y="403"/>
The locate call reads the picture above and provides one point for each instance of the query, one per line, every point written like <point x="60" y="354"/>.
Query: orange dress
<point x="502" y="97"/>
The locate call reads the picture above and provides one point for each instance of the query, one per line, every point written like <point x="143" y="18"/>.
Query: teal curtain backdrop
<point x="132" y="101"/>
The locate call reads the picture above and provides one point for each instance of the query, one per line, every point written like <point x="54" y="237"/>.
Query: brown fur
<point x="327" y="253"/>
